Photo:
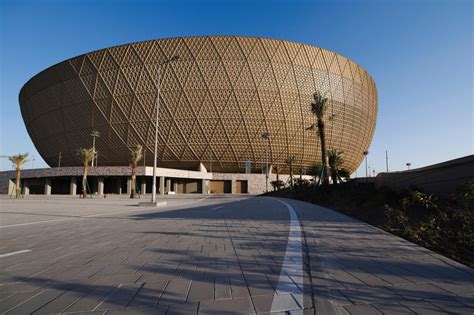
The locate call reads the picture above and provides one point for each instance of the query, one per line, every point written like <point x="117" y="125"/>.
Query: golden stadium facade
<point x="215" y="103"/>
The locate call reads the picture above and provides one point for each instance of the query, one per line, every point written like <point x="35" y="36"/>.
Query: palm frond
<point x="18" y="159"/>
<point x="85" y="154"/>
<point x="137" y="154"/>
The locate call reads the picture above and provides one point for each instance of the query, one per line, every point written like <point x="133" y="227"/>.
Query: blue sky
<point x="419" y="52"/>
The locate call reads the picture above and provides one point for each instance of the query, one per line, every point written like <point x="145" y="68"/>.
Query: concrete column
<point x="233" y="186"/>
<point x="129" y="186"/>
<point x="175" y="187"/>
<point x="204" y="187"/>
<point x="73" y="186"/>
<point x="47" y="186"/>
<point x="168" y="185"/>
<point x="118" y="186"/>
<point x="202" y="168"/>
<point x="143" y="186"/>
<point x="26" y="187"/>
<point x="100" y="186"/>
<point x="11" y="187"/>
<point x="162" y="185"/>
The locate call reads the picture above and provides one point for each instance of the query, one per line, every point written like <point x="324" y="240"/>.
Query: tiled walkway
<point x="218" y="255"/>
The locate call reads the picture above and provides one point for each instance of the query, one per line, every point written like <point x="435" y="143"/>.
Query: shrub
<point x="465" y="194"/>
<point x="396" y="218"/>
<point x="277" y="184"/>
<point x="419" y="200"/>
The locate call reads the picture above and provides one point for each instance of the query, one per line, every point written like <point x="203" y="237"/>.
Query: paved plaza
<point x="214" y="254"/>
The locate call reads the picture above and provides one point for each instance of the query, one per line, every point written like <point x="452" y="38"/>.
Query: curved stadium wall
<point x="215" y="103"/>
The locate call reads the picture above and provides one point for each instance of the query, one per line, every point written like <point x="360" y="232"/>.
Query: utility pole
<point x="266" y="138"/>
<point x="386" y="159"/>
<point x="94" y="134"/>
<point x="366" y="169"/>
<point x="155" y="155"/>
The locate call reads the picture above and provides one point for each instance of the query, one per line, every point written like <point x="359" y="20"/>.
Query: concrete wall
<point x="255" y="182"/>
<point x="442" y="178"/>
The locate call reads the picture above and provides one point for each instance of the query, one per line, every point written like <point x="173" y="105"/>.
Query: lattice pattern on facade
<point x="216" y="101"/>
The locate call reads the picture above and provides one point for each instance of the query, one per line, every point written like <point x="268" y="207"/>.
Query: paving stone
<point x="238" y="287"/>
<point x="175" y="292"/>
<point x="201" y="290"/>
<point x="145" y="310"/>
<point x="35" y="303"/>
<point x="274" y="303"/>
<point x="91" y="300"/>
<point x="234" y="306"/>
<point x="183" y="308"/>
<point x="60" y="303"/>
<point x="222" y="288"/>
<point x="392" y="308"/>
<point x="120" y="297"/>
<point x="16" y="300"/>
<point x="362" y="310"/>
<point x="422" y="308"/>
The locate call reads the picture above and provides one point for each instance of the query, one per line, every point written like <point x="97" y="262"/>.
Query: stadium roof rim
<point x="193" y="36"/>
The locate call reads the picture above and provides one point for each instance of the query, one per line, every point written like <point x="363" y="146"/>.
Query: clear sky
<point x="419" y="52"/>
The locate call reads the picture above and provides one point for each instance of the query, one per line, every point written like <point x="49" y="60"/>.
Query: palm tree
<point x="18" y="160"/>
<point x="289" y="161"/>
<point x="318" y="108"/>
<point x="135" y="156"/>
<point x="344" y="174"/>
<point x="335" y="162"/>
<point x="86" y="155"/>
<point x="277" y="170"/>
<point x="315" y="170"/>
<point x="301" y="171"/>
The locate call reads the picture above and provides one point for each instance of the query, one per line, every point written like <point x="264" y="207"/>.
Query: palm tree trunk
<point x="17" y="188"/>
<point x="324" y="156"/>
<point x="291" y="174"/>
<point x="84" y="181"/>
<point x="134" y="178"/>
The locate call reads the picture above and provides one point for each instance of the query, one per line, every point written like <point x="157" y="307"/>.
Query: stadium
<point x="217" y="96"/>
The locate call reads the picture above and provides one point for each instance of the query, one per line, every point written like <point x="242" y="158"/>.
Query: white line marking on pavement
<point x="37" y="222"/>
<point x="215" y="208"/>
<point x="98" y="214"/>
<point x="15" y="253"/>
<point x="293" y="264"/>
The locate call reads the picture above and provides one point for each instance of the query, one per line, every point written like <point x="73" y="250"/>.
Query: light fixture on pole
<point x="94" y="134"/>
<point x="366" y="170"/>
<point x="155" y="156"/>
<point x="408" y="165"/>
<point x="266" y="137"/>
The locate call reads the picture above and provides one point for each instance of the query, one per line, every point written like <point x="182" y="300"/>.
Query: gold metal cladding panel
<point x="215" y="103"/>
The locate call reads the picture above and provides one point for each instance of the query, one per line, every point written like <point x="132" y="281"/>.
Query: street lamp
<point x="266" y="137"/>
<point x="155" y="156"/>
<point x="366" y="171"/>
<point x="94" y="134"/>
<point x="408" y="165"/>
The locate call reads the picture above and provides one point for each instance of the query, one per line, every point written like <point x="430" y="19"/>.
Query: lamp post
<point x="266" y="137"/>
<point x="94" y="134"/>
<point x="366" y="170"/>
<point x="408" y="165"/>
<point x="155" y="156"/>
<point x="59" y="159"/>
